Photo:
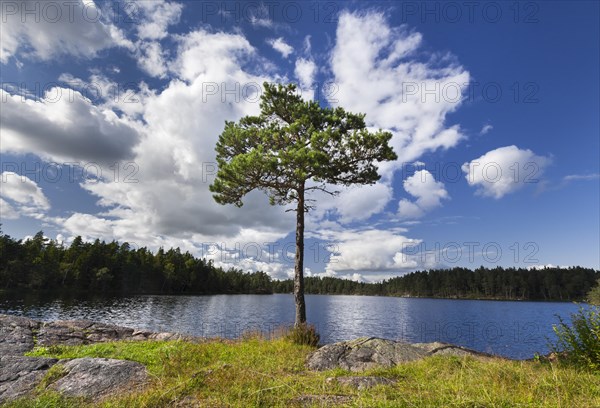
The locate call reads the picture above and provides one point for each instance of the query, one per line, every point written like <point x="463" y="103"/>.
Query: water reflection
<point x="512" y="329"/>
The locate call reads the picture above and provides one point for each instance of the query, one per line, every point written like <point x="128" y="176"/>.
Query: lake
<point x="513" y="329"/>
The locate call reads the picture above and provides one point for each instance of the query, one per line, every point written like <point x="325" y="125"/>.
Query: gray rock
<point x="99" y="377"/>
<point x="20" y="375"/>
<point x="446" y="349"/>
<point x="362" y="354"/>
<point x="361" y="383"/>
<point x="366" y="353"/>
<point x="17" y="334"/>
<point x="87" y="377"/>
<point x="75" y="332"/>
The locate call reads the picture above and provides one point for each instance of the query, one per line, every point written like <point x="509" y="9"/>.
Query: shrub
<point x="580" y="343"/>
<point x="304" y="334"/>
<point x="593" y="297"/>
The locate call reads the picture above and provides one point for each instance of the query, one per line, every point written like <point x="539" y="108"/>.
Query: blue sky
<point x="110" y="111"/>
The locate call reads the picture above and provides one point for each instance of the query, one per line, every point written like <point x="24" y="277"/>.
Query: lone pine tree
<point x="292" y="148"/>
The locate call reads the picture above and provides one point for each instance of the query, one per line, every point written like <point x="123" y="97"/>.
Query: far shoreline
<point x="15" y="294"/>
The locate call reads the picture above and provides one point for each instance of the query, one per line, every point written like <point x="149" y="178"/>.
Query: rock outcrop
<point x="98" y="377"/>
<point x="82" y="377"/>
<point x="370" y="352"/>
<point x="362" y="354"/>
<point x="19" y="375"/>
<point x="17" y="334"/>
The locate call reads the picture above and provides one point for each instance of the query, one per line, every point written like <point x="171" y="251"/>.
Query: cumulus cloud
<point x="206" y="55"/>
<point x="109" y="95"/>
<point x="40" y="30"/>
<point x="504" y="170"/>
<point x="82" y="29"/>
<point x="155" y="17"/>
<point x="428" y="192"/>
<point x="377" y="72"/>
<point x="64" y="126"/>
<point x="369" y="252"/>
<point x="25" y="194"/>
<point x="360" y="203"/>
<point x="151" y="59"/>
<point x="281" y="46"/>
<point x="170" y="203"/>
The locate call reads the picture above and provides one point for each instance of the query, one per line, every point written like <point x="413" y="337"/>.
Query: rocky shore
<point x="81" y="377"/>
<point x="96" y="378"/>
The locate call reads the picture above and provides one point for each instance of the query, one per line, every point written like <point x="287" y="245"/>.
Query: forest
<point x="565" y="284"/>
<point x="41" y="264"/>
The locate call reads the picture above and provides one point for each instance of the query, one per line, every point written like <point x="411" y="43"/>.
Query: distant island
<point x="39" y="264"/>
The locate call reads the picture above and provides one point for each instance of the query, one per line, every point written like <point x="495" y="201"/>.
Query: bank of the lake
<point x="258" y="372"/>
<point x="161" y="369"/>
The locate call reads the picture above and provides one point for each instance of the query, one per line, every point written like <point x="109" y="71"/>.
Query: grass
<point x="256" y="372"/>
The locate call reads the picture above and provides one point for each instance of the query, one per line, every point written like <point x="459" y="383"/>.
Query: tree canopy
<point x="291" y="142"/>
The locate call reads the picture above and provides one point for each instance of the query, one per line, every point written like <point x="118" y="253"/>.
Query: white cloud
<point x="156" y="16"/>
<point x="24" y="193"/>
<point x="377" y="72"/>
<point x="581" y="177"/>
<point x="485" y="129"/>
<point x="151" y="59"/>
<point x="211" y="56"/>
<point x="504" y="170"/>
<point x="305" y="71"/>
<point x="531" y="267"/>
<point x="276" y="270"/>
<point x="64" y="28"/>
<point x="111" y="95"/>
<point x="64" y="126"/>
<point x="281" y="46"/>
<point x="307" y="45"/>
<point x="428" y="192"/>
<point x="170" y="204"/>
<point x="369" y="251"/>
<point x="7" y="212"/>
<point x="360" y="203"/>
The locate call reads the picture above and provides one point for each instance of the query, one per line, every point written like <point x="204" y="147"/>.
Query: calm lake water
<point x="511" y="329"/>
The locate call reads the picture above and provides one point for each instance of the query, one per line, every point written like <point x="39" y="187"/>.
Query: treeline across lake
<point x="99" y="267"/>
<point x="572" y="283"/>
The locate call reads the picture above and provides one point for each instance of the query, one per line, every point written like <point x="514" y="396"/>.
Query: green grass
<point x="255" y="372"/>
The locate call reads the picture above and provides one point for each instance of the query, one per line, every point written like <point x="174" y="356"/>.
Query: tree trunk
<point x="299" y="269"/>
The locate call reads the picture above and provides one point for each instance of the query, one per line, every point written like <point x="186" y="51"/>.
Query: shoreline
<point x="84" y="363"/>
